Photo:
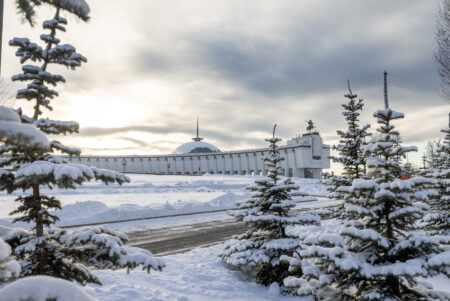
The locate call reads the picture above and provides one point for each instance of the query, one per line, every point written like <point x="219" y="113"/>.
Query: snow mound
<point x="43" y="288"/>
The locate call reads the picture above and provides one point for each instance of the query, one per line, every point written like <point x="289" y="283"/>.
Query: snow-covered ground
<point x="147" y="196"/>
<point x="194" y="276"/>
<point x="197" y="275"/>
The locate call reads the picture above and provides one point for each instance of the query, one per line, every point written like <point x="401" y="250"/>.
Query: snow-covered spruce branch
<point x="56" y="126"/>
<point x="72" y="252"/>
<point x="56" y="145"/>
<point x="14" y="133"/>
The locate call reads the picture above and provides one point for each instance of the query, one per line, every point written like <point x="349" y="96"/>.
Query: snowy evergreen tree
<point x="14" y="133"/>
<point x="45" y="250"/>
<point x="376" y="255"/>
<point x="438" y="221"/>
<point x="266" y="213"/>
<point x="27" y="135"/>
<point x="350" y="146"/>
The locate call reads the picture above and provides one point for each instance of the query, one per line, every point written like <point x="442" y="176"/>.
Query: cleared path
<point x="184" y="238"/>
<point x="180" y="239"/>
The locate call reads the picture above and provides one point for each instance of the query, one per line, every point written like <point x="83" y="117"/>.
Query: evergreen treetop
<point x="352" y="140"/>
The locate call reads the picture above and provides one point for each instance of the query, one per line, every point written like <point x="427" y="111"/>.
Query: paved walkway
<point x="180" y="239"/>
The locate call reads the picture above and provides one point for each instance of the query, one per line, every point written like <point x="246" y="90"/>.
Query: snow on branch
<point x="15" y="133"/>
<point x="440" y="260"/>
<point x="109" y="176"/>
<point x="56" y="126"/>
<point x="65" y="55"/>
<point x="76" y="7"/>
<point x="108" y="249"/>
<point x="388" y="114"/>
<point x="55" y="23"/>
<point x="281" y="244"/>
<point x="64" y="149"/>
<point x="47" y="173"/>
<point x="289" y="220"/>
<point x="413" y="267"/>
<point x="76" y="250"/>
<point x="365" y="235"/>
<point x="26" y="50"/>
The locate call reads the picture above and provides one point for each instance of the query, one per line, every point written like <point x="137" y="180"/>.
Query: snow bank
<point x="43" y="288"/>
<point x="149" y="196"/>
<point x="9" y="268"/>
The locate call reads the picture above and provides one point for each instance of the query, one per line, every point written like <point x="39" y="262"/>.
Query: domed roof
<point x="196" y="147"/>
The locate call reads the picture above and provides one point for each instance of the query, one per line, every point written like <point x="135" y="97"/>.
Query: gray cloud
<point x="99" y="131"/>
<point x="138" y="142"/>
<point x="170" y="129"/>
<point x="318" y="56"/>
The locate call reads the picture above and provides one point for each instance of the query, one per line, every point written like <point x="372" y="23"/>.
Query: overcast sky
<point x="241" y="66"/>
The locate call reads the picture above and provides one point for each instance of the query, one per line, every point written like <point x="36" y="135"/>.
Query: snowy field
<point x="148" y="196"/>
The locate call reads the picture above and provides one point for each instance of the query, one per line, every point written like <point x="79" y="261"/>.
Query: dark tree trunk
<point x="39" y="229"/>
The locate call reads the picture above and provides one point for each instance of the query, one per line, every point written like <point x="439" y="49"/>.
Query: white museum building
<point x="305" y="157"/>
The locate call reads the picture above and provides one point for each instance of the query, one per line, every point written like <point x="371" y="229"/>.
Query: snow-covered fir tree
<point x="45" y="250"/>
<point x="13" y="132"/>
<point x="266" y="213"/>
<point x="376" y="255"/>
<point x="438" y="220"/>
<point x="350" y="145"/>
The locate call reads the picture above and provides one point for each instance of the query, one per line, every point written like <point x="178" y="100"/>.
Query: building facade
<point x="305" y="157"/>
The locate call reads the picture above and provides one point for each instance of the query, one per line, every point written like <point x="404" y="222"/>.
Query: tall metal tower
<point x="386" y="102"/>
<point x="197" y="138"/>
